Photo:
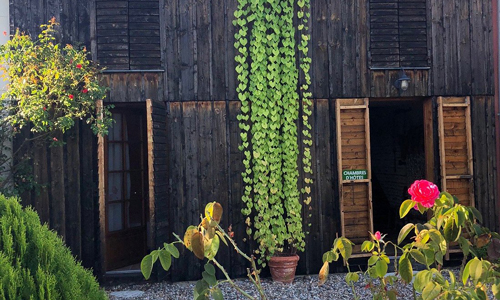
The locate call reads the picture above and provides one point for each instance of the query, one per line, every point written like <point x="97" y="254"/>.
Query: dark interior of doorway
<point x="398" y="159"/>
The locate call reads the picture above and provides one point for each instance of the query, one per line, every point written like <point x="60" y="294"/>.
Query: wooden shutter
<point x="455" y="148"/>
<point x="353" y="153"/>
<point x="157" y="172"/>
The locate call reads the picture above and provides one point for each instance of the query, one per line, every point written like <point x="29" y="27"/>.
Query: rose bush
<point x="451" y="224"/>
<point x="50" y="85"/>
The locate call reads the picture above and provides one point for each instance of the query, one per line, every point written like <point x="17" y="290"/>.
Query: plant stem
<point x="255" y="279"/>
<point x="231" y="282"/>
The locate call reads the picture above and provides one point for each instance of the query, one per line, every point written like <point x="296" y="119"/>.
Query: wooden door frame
<point x="103" y="184"/>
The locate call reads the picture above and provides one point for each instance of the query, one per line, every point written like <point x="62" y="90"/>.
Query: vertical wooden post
<point x="102" y="191"/>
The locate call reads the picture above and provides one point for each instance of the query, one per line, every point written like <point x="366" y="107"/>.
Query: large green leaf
<point x="405" y="207"/>
<point x="405" y="269"/>
<point x="212" y="249"/>
<point x="217" y="294"/>
<point x="381" y="268"/>
<point x="404" y="232"/>
<point x="465" y="273"/>
<point x="210" y="269"/>
<point x="464" y="245"/>
<point x="421" y="280"/>
<point x="418" y="256"/>
<point x="431" y="291"/>
<point x="147" y="266"/>
<point x="165" y="259"/>
<point x="210" y="279"/>
<point x="172" y="249"/>
<point x="476" y="214"/>
<point x="201" y="290"/>
<point x="451" y="231"/>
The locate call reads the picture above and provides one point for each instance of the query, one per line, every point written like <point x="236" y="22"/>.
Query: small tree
<point x="50" y="87"/>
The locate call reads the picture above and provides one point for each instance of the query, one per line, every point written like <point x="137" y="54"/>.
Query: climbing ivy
<point x="269" y="63"/>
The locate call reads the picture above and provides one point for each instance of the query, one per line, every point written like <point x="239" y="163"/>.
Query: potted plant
<point x="269" y="65"/>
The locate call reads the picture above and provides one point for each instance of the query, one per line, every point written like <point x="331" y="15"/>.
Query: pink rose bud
<point x="378" y="236"/>
<point x="54" y="139"/>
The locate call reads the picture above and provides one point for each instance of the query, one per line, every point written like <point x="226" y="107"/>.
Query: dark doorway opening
<point x="397" y="158"/>
<point x="126" y="177"/>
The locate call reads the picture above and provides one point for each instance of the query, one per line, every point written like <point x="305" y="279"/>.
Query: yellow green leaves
<point x="268" y="77"/>
<point x="165" y="255"/>
<point x="404" y="232"/>
<point x="52" y="85"/>
<point x="213" y="212"/>
<point x="405" y="207"/>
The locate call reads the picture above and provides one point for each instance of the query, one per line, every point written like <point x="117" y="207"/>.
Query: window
<point x="398" y="33"/>
<point x="128" y="34"/>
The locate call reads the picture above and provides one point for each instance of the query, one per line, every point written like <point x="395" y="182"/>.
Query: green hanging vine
<point x="268" y="67"/>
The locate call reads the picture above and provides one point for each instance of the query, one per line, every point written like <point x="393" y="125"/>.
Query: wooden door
<point x="455" y="148"/>
<point x="124" y="163"/>
<point x="157" y="173"/>
<point x="354" y="167"/>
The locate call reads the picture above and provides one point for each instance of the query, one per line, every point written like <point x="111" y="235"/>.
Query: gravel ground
<point x="304" y="287"/>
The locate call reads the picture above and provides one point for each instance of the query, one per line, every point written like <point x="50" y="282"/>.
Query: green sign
<point x="354" y="174"/>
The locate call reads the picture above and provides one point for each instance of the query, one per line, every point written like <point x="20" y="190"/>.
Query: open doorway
<point x="126" y="188"/>
<point x="397" y="160"/>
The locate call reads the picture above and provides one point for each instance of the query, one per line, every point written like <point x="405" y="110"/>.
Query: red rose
<point x="78" y="66"/>
<point x="424" y="192"/>
<point x="85" y="91"/>
<point x="71" y="97"/>
<point x="44" y="108"/>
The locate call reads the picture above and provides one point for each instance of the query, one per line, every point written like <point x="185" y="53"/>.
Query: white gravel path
<point x="304" y="287"/>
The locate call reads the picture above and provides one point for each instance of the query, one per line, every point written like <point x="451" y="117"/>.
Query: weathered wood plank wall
<point x="459" y="37"/>
<point x="199" y="86"/>
<point x="206" y="165"/>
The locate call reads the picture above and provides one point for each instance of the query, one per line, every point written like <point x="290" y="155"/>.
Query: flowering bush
<point x="50" y="86"/>
<point x="451" y="223"/>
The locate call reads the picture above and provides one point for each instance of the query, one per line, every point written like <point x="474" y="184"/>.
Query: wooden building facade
<point x="171" y="73"/>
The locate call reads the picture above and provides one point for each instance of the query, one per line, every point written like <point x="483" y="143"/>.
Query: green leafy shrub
<point x="450" y="223"/>
<point x="35" y="263"/>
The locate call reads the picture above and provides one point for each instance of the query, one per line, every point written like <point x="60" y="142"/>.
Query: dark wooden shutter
<point x="455" y="148"/>
<point x="398" y="33"/>
<point x="128" y="34"/>
<point x="353" y="153"/>
<point x="157" y="172"/>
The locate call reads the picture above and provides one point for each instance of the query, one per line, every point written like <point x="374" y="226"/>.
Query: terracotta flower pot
<point x="283" y="268"/>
